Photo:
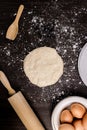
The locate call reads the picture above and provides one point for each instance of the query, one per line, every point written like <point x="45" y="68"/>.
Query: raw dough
<point x="43" y="66"/>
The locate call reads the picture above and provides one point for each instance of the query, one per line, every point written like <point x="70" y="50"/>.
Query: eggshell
<point x="66" y="127"/>
<point x="84" y="121"/>
<point x="66" y="116"/>
<point x="78" y="125"/>
<point x="77" y="110"/>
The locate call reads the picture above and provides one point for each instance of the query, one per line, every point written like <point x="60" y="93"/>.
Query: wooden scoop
<point x="13" y="28"/>
<point x="21" y="107"/>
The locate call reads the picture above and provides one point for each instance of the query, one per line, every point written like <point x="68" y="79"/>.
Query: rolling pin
<point x="21" y="107"/>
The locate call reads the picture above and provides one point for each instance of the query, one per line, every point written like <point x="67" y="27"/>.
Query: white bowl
<point x="55" y="119"/>
<point x="82" y="64"/>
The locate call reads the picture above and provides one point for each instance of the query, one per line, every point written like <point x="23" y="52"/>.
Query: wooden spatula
<point x="21" y="107"/>
<point x="13" y="28"/>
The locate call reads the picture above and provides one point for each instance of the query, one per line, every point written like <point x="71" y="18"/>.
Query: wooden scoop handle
<point x="6" y="83"/>
<point x="20" y="10"/>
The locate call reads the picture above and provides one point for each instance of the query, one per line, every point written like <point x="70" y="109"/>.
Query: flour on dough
<point x="43" y="66"/>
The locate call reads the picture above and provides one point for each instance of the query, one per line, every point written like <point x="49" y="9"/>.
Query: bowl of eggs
<point x="70" y="114"/>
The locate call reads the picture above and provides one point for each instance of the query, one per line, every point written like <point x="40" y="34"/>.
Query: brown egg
<point x="66" y="116"/>
<point x="84" y="121"/>
<point x="77" y="110"/>
<point x="66" y="127"/>
<point x="78" y="125"/>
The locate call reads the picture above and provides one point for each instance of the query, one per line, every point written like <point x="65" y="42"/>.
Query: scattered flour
<point x="52" y="26"/>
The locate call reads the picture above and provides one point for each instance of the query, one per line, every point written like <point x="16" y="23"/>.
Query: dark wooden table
<point x="61" y="24"/>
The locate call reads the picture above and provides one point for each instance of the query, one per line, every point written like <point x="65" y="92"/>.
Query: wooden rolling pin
<point x="21" y="107"/>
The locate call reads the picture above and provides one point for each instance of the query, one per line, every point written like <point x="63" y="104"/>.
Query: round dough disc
<point x="43" y="66"/>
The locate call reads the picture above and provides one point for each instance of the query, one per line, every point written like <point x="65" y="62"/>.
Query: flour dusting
<point x="54" y="25"/>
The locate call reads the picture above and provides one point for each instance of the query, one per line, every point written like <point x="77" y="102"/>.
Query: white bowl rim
<point x="82" y="56"/>
<point x="63" y="104"/>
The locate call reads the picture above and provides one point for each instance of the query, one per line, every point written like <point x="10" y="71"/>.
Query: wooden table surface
<point x="60" y="24"/>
